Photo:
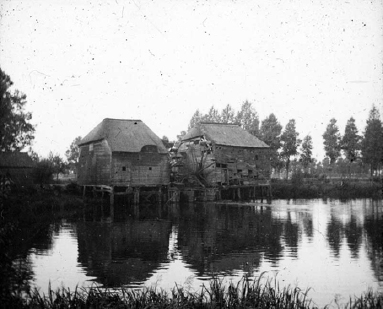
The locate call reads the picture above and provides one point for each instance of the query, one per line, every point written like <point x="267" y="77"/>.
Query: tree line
<point x="286" y="148"/>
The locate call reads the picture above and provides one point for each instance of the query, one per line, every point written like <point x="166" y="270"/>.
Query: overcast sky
<point x="79" y="62"/>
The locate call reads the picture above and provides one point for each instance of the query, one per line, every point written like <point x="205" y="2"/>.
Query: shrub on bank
<point x="341" y="189"/>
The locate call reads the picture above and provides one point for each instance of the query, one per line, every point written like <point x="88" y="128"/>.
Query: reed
<point x="246" y="293"/>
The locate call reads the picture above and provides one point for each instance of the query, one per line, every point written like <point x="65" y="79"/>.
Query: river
<point x="334" y="248"/>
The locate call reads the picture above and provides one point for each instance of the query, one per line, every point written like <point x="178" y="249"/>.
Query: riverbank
<point x="335" y="189"/>
<point x="246" y="293"/>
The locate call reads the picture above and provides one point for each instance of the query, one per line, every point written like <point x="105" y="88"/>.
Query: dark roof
<point x="225" y="134"/>
<point x="125" y="135"/>
<point x="15" y="160"/>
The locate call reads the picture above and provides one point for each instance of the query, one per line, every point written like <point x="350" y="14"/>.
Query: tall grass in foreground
<point x="245" y="294"/>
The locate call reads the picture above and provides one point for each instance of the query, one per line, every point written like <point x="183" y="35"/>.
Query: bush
<point x="343" y="190"/>
<point x="297" y="178"/>
<point x="43" y="172"/>
<point x="73" y="188"/>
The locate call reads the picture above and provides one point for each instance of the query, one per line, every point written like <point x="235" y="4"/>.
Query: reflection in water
<point x="57" y="264"/>
<point x="330" y="246"/>
<point x="124" y="252"/>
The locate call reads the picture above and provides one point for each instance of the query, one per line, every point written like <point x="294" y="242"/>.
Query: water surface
<point x="333" y="247"/>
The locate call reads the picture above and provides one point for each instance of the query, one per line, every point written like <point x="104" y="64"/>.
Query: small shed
<point x="19" y="165"/>
<point x="120" y="152"/>
<point x="216" y="154"/>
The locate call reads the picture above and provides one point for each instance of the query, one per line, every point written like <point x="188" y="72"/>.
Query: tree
<point x="16" y="132"/>
<point x="57" y="164"/>
<point x="351" y="141"/>
<point x="248" y="119"/>
<point x="196" y="119"/>
<point x="227" y="114"/>
<point x="43" y="171"/>
<point x="331" y="141"/>
<point x="306" y="151"/>
<point x="33" y="155"/>
<point x="372" y="142"/>
<point x="181" y="135"/>
<point x="290" y="144"/>
<point x="73" y="153"/>
<point x="168" y="144"/>
<point x="270" y="133"/>
<point x="212" y="116"/>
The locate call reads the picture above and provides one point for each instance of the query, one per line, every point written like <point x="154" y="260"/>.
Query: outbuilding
<point x="18" y="166"/>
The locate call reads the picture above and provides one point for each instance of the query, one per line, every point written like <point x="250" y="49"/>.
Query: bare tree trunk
<point x="371" y="170"/>
<point x="287" y="168"/>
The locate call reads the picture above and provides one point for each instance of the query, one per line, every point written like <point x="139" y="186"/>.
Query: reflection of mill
<point x="152" y="243"/>
<point x="123" y="252"/>
<point x="127" y="249"/>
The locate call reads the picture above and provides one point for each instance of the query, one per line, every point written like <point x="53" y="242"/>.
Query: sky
<point x="79" y="62"/>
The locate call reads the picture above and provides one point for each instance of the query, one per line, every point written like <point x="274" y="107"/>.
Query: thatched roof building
<point x="19" y="165"/>
<point x="222" y="154"/>
<point x="122" y="152"/>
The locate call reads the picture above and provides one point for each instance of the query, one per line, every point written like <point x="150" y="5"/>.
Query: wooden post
<point x="219" y="196"/>
<point x="159" y="210"/>
<point x="239" y="193"/>
<point x="83" y="192"/>
<point x="269" y="196"/>
<point x="159" y="196"/>
<point x="112" y="210"/>
<point x="136" y="198"/>
<point x="174" y="196"/>
<point x="261" y="194"/>
<point x="112" y="197"/>
<point x="136" y="210"/>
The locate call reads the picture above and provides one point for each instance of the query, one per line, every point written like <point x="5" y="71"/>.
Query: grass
<point x="245" y="294"/>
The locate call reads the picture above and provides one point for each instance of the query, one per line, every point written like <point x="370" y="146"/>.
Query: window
<point x="221" y="165"/>
<point x="256" y="157"/>
<point x="150" y="168"/>
<point x="124" y="168"/>
<point x="149" y="148"/>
